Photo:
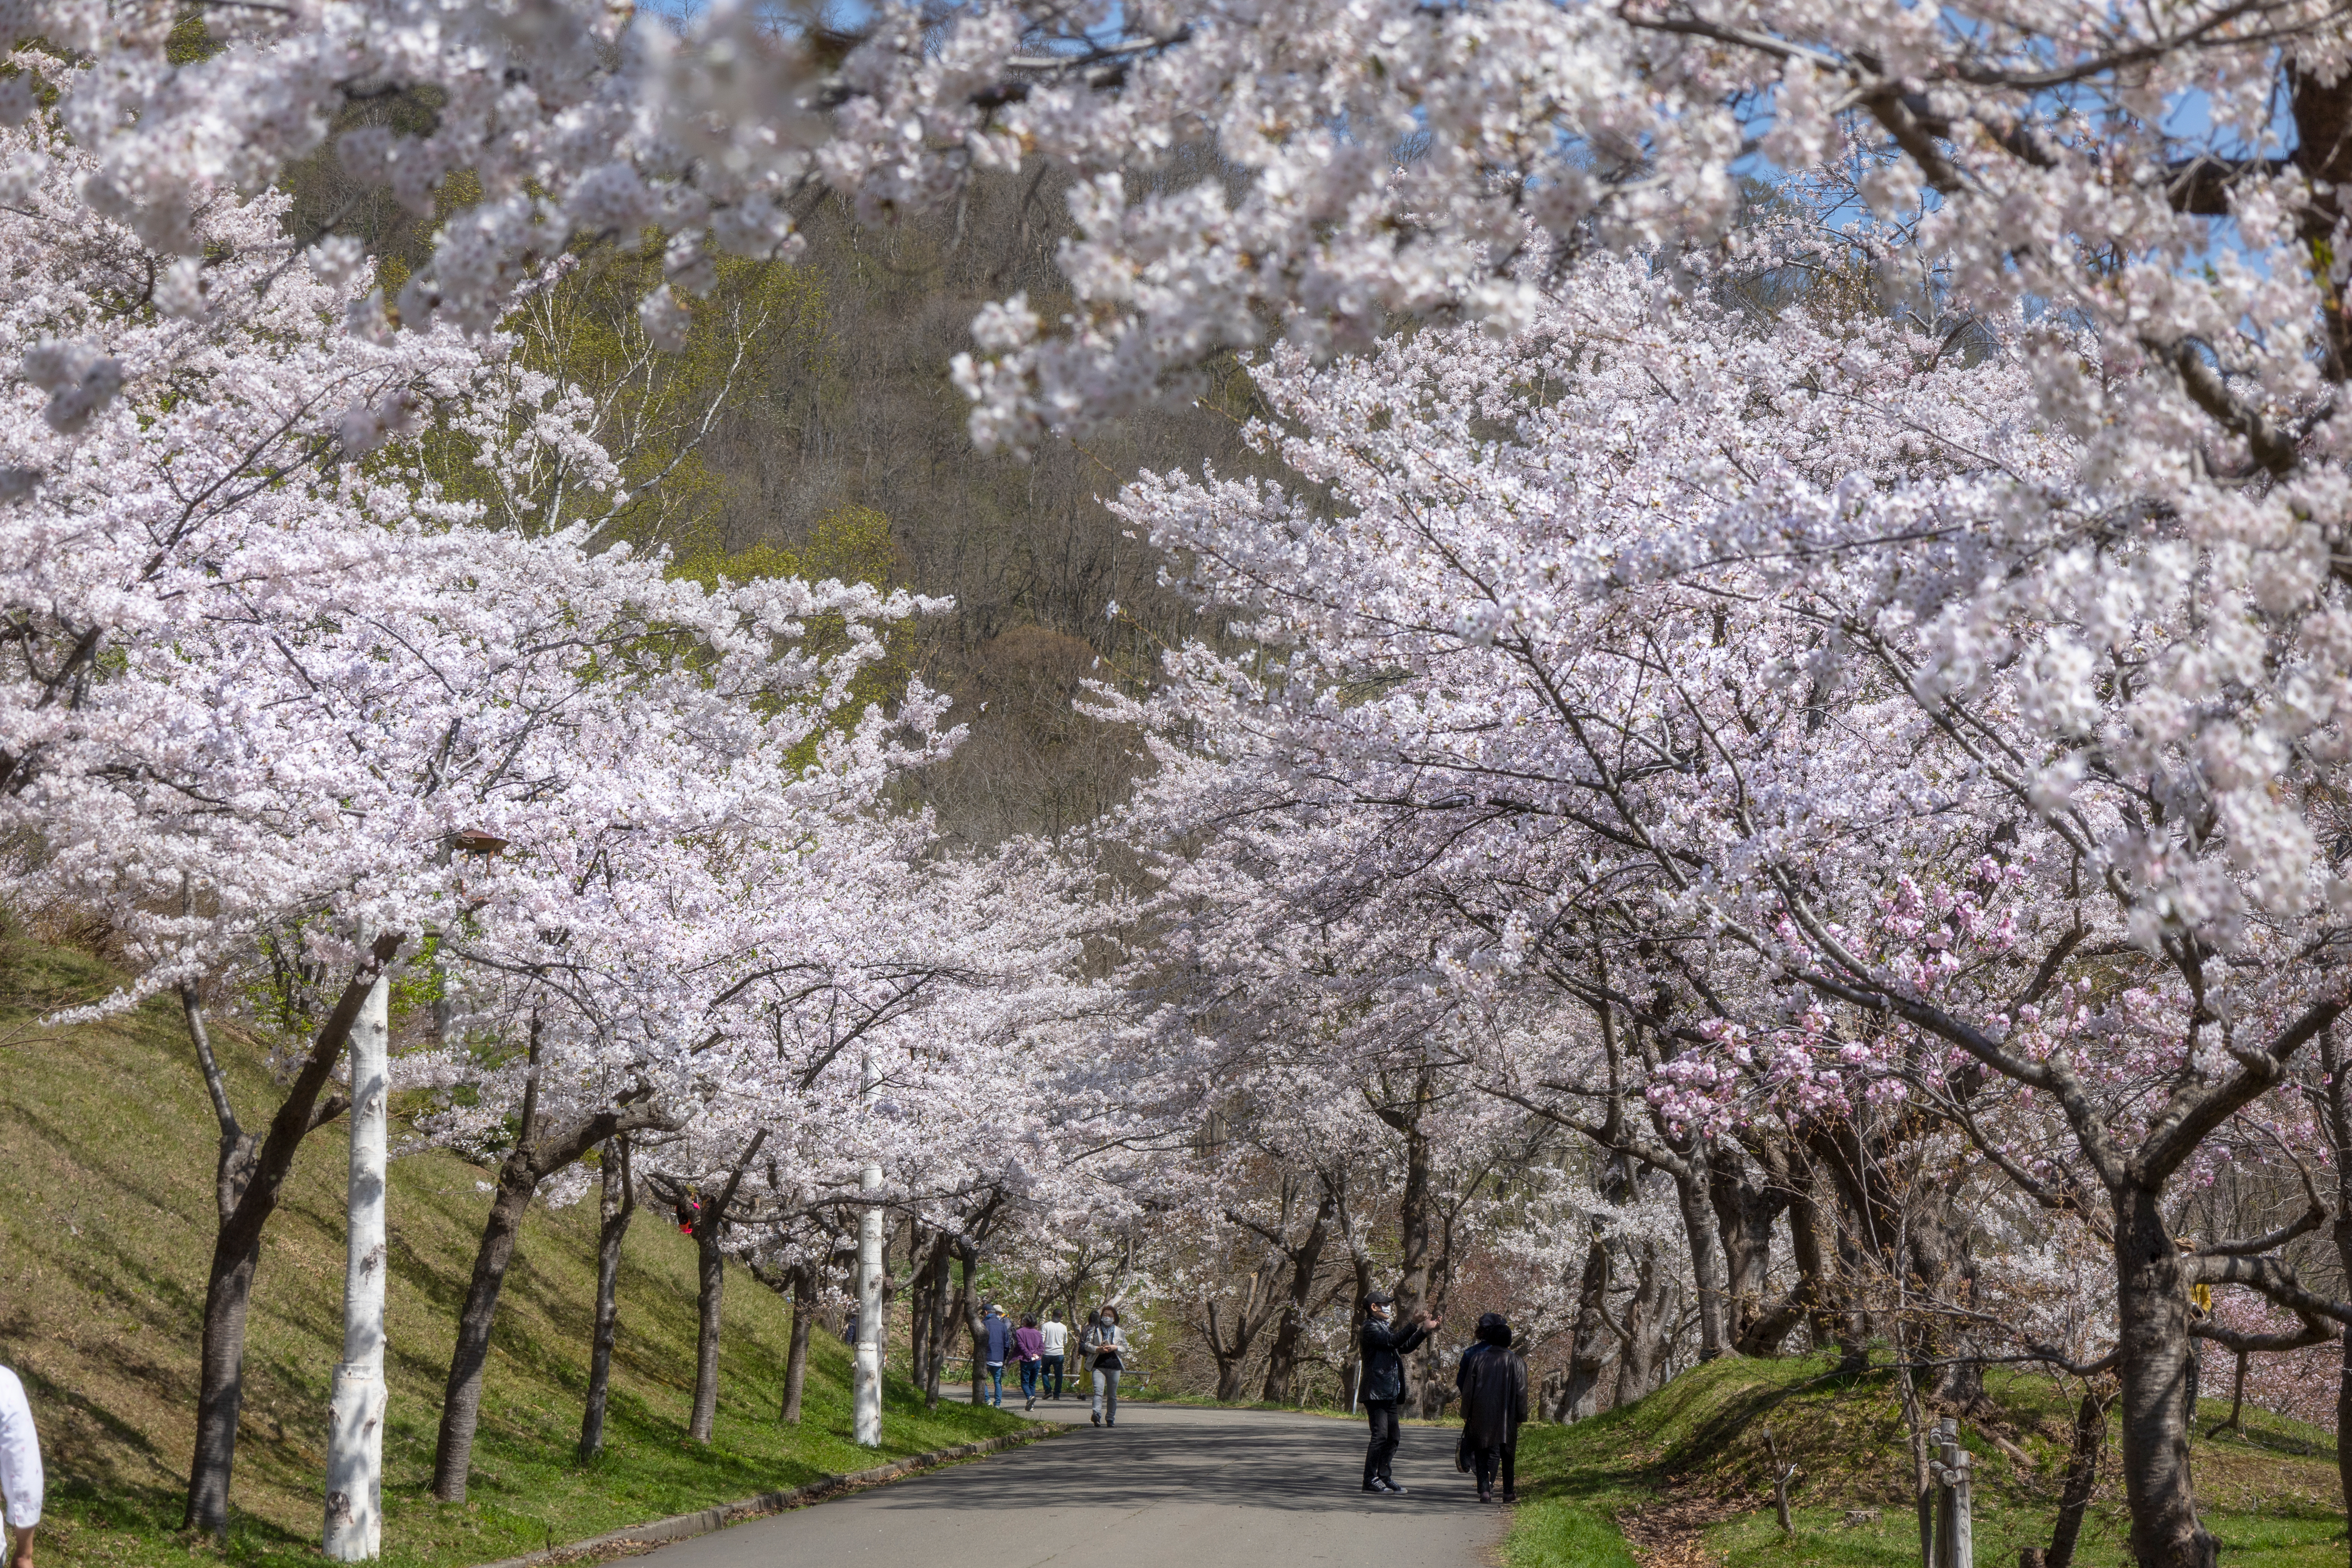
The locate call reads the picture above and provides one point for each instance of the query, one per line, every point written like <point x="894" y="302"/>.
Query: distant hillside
<point x="106" y="1226"/>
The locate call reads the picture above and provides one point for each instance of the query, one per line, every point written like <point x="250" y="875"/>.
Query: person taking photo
<point x="1384" y="1349"/>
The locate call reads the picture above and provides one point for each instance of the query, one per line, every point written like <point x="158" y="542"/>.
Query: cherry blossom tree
<point x="1767" y="687"/>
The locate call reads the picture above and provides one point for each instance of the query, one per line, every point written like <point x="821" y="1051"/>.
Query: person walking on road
<point x="996" y="1340"/>
<point x="1492" y="1380"/>
<point x="1056" y="1337"/>
<point x="1101" y="1350"/>
<point x="1384" y="1349"/>
<point x="1030" y="1345"/>
<point x="20" y="1468"/>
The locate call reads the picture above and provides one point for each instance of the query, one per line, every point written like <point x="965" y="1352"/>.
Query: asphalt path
<point x="1169" y="1485"/>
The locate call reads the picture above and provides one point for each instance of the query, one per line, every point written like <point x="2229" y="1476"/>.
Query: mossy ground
<point x="1685" y="1475"/>
<point x="106" y="1228"/>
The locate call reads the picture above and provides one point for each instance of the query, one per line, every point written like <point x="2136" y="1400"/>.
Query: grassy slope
<point x="106" y="1151"/>
<point x="1686" y="1468"/>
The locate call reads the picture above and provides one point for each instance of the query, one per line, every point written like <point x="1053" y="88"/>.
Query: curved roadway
<point x="1171" y="1486"/>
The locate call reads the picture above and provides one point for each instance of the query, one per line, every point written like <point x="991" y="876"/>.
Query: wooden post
<point x="1955" y="1547"/>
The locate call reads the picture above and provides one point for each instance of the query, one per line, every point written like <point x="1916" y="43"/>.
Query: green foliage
<point x="655" y="409"/>
<point x="852" y="544"/>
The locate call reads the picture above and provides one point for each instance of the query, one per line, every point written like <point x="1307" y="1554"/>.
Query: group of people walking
<point x="1492" y="1380"/>
<point x="1041" y="1350"/>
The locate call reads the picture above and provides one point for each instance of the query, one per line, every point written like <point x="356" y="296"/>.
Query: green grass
<point x="1685" y="1470"/>
<point x="106" y="1224"/>
<point x="1551" y="1530"/>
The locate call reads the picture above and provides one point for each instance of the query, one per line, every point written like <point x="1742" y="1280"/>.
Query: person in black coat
<point x="1494" y="1384"/>
<point x="1382" y="1385"/>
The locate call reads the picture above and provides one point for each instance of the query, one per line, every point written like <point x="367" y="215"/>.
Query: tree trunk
<point x="248" y="1177"/>
<point x="530" y="1162"/>
<point x="1588" y="1344"/>
<point x="1814" y="1295"/>
<point x="1282" y="1361"/>
<point x="968" y="1300"/>
<point x="461" y="1401"/>
<point x="1745" y="1215"/>
<point x="1706" y="1255"/>
<point x="1649" y="1317"/>
<point x="919" y="1311"/>
<point x="353" y="1524"/>
<point x="2152" y="1307"/>
<point x="1944" y="1263"/>
<point x="796" y="1359"/>
<point x="618" y="1206"/>
<point x="220" y="1394"/>
<point x="2082" y="1476"/>
<point x="710" y="1287"/>
<point x="2344" y="1410"/>
<point x="941" y="1289"/>
<point x="1229" y="1377"/>
<point x="1413" y="1231"/>
<point x="1914" y="1420"/>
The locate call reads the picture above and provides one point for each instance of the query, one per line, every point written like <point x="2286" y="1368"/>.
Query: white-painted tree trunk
<point x="866" y="1382"/>
<point x="355" y="1421"/>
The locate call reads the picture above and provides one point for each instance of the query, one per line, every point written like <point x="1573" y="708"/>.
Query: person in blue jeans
<point x="1030" y="1346"/>
<point x="996" y="1339"/>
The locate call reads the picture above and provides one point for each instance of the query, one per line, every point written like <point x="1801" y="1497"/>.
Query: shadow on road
<point x="1286" y="1464"/>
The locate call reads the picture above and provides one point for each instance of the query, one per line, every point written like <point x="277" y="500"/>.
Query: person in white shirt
<point x="1057" y="1346"/>
<point x="20" y="1468"/>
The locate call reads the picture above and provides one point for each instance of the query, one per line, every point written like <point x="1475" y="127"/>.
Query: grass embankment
<point x="1683" y="1474"/>
<point x="106" y="1224"/>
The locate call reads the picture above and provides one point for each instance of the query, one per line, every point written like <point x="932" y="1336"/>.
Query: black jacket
<point x="1494" y="1384"/>
<point x="1385" y="1348"/>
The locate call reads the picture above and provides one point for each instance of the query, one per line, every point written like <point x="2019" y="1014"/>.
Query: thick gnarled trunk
<point x="2152" y="1311"/>
<point x="1282" y="1359"/>
<point x="1707" y="1257"/>
<point x="1588" y="1345"/>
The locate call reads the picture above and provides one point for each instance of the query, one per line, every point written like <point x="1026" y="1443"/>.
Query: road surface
<point x="1170" y="1487"/>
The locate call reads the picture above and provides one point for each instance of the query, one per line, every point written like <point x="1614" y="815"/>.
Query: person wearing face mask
<point x="1101" y="1350"/>
<point x="1384" y="1349"/>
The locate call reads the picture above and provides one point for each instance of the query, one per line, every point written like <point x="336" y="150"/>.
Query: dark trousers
<point x="1484" y="1460"/>
<point x="1029" y="1380"/>
<point x="1052" y="1368"/>
<point x="1383" y="1449"/>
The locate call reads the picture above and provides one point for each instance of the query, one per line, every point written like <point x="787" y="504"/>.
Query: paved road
<point x="1169" y="1487"/>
